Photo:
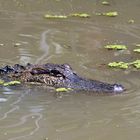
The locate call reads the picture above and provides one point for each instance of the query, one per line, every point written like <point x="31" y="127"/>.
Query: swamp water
<point x="35" y="113"/>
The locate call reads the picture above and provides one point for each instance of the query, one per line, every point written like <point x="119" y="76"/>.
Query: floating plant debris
<point x="105" y="3"/>
<point x="111" y="14"/>
<point x="56" y="16"/>
<point x="63" y="89"/>
<point x="11" y="83"/>
<point x="116" y="47"/>
<point x="136" y="64"/>
<point x="121" y="65"/>
<point x="137" y="45"/>
<point x="1" y="82"/>
<point x="108" y="14"/>
<point x="137" y="50"/>
<point x="82" y="15"/>
<point x="17" y="44"/>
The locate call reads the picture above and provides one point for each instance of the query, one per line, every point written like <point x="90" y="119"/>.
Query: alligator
<point x="57" y="76"/>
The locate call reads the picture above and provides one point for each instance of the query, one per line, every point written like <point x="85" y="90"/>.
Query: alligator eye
<point x="55" y="72"/>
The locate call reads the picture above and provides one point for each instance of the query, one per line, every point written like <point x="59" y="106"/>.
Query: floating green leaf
<point x="136" y="64"/>
<point x="116" y="47"/>
<point x="121" y="65"/>
<point x="11" y="83"/>
<point x="137" y="50"/>
<point x="105" y="3"/>
<point x="82" y="15"/>
<point x="137" y="45"/>
<point x="1" y="82"/>
<point x="98" y="14"/>
<point x="63" y="89"/>
<point x="56" y="16"/>
<point x="17" y="44"/>
<point x="110" y="14"/>
<point x="124" y="65"/>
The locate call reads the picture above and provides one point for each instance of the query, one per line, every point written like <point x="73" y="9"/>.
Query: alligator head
<point x="56" y="75"/>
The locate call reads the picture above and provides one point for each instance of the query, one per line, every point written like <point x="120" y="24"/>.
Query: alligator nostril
<point x="118" y="88"/>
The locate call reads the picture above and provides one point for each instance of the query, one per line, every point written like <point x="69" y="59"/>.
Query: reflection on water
<point x="28" y="113"/>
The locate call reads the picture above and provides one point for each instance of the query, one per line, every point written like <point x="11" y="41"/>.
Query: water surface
<point x="29" y="113"/>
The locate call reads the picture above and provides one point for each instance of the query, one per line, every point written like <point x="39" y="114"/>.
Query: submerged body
<point x="57" y="76"/>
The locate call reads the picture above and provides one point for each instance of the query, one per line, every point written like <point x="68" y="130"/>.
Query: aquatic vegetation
<point x="136" y="64"/>
<point x="137" y="50"/>
<point x="63" y="89"/>
<point x="55" y="16"/>
<point x="111" y="14"/>
<point x="105" y="3"/>
<point x="116" y="47"/>
<point x="137" y="45"/>
<point x="121" y="65"/>
<point x="17" y="44"/>
<point x="108" y="14"/>
<point x="82" y="15"/>
<point x="1" y="82"/>
<point x="11" y="83"/>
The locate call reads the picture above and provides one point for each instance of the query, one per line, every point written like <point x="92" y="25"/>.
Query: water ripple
<point x="23" y="120"/>
<point x="14" y="107"/>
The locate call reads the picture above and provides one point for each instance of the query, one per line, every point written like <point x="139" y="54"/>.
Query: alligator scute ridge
<point x="57" y="76"/>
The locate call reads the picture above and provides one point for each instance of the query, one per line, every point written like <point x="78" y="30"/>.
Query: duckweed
<point x="136" y="64"/>
<point x="82" y="15"/>
<point x="105" y="3"/>
<point x="137" y="50"/>
<point x="55" y="16"/>
<point x="63" y="89"/>
<point x="17" y="44"/>
<point x="110" y="14"/>
<point x="121" y="65"/>
<point x="1" y="82"/>
<point x="11" y="83"/>
<point x="137" y="45"/>
<point x="116" y="47"/>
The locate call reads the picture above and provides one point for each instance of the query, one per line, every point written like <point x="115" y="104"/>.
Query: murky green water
<point x="33" y="113"/>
